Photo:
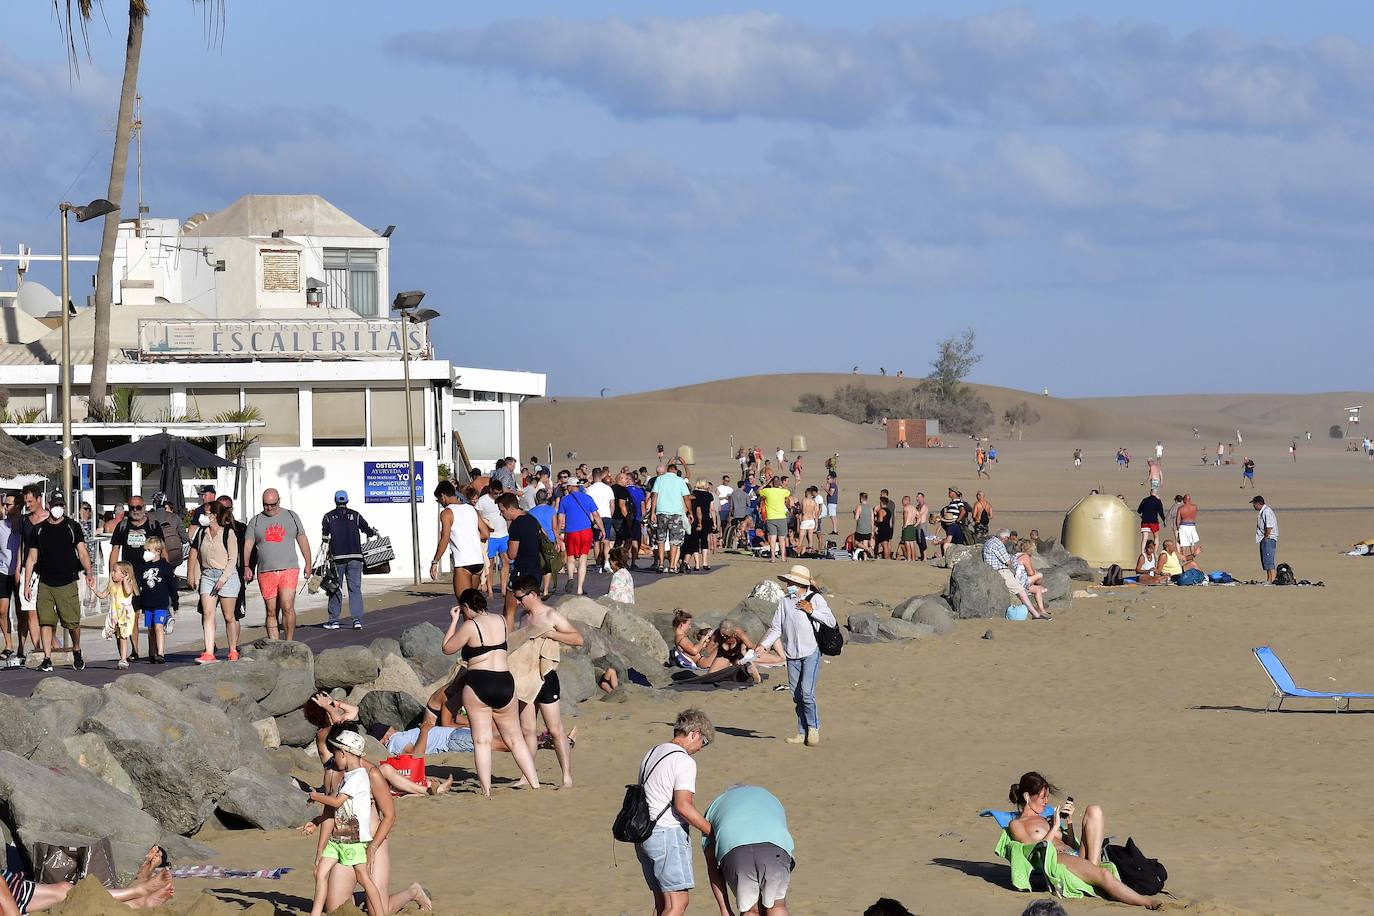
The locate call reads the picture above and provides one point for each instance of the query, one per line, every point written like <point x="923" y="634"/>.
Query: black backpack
<point x="1114" y="575"/>
<point x="1283" y="575"/>
<point x="1138" y="872"/>
<point x="828" y="639"/>
<point x="634" y="824"/>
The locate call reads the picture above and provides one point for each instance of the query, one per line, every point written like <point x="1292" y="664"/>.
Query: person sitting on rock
<point x="1027" y="576"/>
<point x="151" y="888"/>
<point x="1147" y="567"/>
<point x="687" y="651"/>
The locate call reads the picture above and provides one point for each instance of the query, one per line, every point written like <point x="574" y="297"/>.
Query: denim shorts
<point x="666" y="858"/>
<point x="230" y="588"/>
<point x="1268" y="548"/>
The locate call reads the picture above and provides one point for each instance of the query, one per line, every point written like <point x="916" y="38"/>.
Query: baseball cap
<point x="350" y="741"/>
<point x="340" y="496"/>
<point x="55" y="498"/>
<point x="1256" y="499"/>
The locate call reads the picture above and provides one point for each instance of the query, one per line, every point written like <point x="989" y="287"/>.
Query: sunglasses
<point x="705" y="742"/>
<point x="271" y="505"/>
<point x="137" y="508"/>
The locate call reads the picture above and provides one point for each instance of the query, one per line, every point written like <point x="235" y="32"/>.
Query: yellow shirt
<point x="1169" y="564"/>
<point x="774" y="502"/>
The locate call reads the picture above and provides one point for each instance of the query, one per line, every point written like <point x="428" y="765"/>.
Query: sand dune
<point x="759" y="410"/>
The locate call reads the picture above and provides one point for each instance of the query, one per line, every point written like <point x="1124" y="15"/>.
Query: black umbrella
<point x="81" y="448"/>
<point x="172" y="454"/>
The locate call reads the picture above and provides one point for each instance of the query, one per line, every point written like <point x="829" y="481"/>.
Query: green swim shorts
<point x="348" y="854"/>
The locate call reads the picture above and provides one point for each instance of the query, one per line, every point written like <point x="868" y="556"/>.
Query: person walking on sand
<point x="461" y="535"/>
<point x="1151" y="512"/>
<point x="1078" y="458"/>
<point x="668" y="774"/>
<point x="1247" y="474"/>
<point x="1266" y="536"/>
<point x="793" y="623"/>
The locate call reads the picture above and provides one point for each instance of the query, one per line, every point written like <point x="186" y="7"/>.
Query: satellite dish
<point x="39" y="301"/>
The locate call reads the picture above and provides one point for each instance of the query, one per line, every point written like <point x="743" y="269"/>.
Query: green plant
<point x="30" y="415"/>
<point x="236" y="446"/>
<point x="445" y="472"/>
<point x="124" y="406"/>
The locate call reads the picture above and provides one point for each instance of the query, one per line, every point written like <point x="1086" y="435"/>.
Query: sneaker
<point x="796" y="739"/>
<point x="122" y="664"/>
<point x="157" y="660"/>
<point x="45" y="664"/>
<point x="233" y="655"/>
<point x="357" y="624"/>
<point x="206" y="658"/>
<point x="331" y="625"/>
<point x="813" y="737"/>
<point x="78" y="662"/>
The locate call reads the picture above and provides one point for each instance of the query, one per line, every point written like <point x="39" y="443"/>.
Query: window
<point x="350" y="280"/>
<point x="483" y="433"/>
<point x="208" y="403"/>
<point x="152" y="404"/>
<point x="27" y="402"/>
<point x="281" y="414"/>
<point x="340" y="417"/>
<point x="281" y="271"/>
<point x="487" y="396"/>
<point x="389" y="416"/>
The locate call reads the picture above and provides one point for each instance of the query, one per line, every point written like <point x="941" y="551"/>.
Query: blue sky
<point x="1120" y="199"/>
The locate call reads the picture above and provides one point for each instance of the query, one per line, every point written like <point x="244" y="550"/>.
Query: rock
<point x="256" y="677"/>
<point x="769" y="590"/>
<point x="977" y="590"/>
<point x="383" y="646"/>
<point x="176" y="749"/>
<point x="184" y="849"/>
<point x="1058" y="585"/>
<point x="663" y="622"/>
<point x="987" y="634"/>
<point x="290" y="761"/>
<point x="345" y="666"/>
<point x="421" y="640"/>
<point x="625" y="655"/>
<point x="266" y="800"/>
<point x="396" y="674"/>
<point x="59" y="688"/>
<point x="863" y="639"/>
<point x="267" y="732"/>
<point x="390" y="707"/>
<point x="294" y="687"/>
<point x="430" y="668"/>
<point x="580" y="609"/>
<point x="577" y="678"/>
<point x="622" y="624"/>
<point x="1051" y="552"/>
<point x="41" y="801"/>
<point x="958" y="553"/>
<point x="935" y="613"/>
<point x="759" y="610"/>
<point x="865" y="624"/>
<point x="230" y="697"/>
<point x="875" y="602"/>
<point x="295" y="730"/>
<point x="23" y="728"/>
<point x="1079" y="568"/>
<point x="91" y="754"/>
<point x="282" y="654"/>
<point x="594" y="642"/>
<point x="901" y="629"/>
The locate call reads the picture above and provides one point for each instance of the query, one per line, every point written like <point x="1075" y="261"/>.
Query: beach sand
<point x="1147" y="702"/>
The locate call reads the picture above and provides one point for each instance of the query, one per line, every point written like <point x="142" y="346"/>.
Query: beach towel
<point x="219" y="871"/>
<point x="733" y="678"/>
<point x="1026" y="859"/>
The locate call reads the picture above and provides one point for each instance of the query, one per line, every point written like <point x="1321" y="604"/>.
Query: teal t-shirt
<point x="746" y="815"/>
<point x="671" y="490"/>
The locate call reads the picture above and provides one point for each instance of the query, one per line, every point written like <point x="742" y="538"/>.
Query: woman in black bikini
<point x="489" y="688"/>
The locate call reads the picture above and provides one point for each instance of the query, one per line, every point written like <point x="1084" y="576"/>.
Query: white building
<point x="265" y="328"/>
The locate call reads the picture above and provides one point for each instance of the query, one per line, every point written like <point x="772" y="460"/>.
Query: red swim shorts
<point x="1152" y="527"/>
<point x="275" y="580"/>
<point x="579" y="542"/>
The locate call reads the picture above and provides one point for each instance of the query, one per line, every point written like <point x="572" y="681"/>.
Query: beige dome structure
<point x="1102" y="530"/>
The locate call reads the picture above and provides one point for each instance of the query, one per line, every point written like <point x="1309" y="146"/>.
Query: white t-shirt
<point x="354" y="816"/>
<point x="1266" y="518"/>
<point x="486" y="507"/>
<point x="677" y="771"/>
<point x="11" y="548"/>
<point x="465" y="546"/>
<point x="602" y="494"/>
<point x="723" y="496"/>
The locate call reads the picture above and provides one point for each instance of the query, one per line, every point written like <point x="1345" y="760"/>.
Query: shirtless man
<point x="1189" y="542"/>
<point x="909" y="530"/>
<point x="922" y="517"/>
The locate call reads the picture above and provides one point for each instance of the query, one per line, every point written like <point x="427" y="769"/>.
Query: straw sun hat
<point x="800" y="575"/>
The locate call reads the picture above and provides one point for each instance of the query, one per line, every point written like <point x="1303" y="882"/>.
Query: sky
<point x="1122" y="198"/>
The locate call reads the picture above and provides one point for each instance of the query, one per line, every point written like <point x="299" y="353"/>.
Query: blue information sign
<point x="385" y="481"/>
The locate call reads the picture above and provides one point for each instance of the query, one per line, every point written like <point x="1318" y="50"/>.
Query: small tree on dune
<point x="1019" y="417"/>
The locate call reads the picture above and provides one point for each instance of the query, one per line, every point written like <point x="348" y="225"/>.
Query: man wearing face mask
<point x="57" y="552"/>
<point x="126" y="545"/>
<point x="800" y="605"/>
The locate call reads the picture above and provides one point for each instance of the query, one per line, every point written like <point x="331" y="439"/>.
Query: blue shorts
<point x="608" y="529"/>
<point x="496" y="547"/>
<point x="666" y="858"/>
<point x="1248" y="475"/>
<point x="1269" y="548"/>
<point x="155" y="618"/>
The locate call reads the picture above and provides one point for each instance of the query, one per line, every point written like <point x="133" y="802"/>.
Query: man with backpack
<point x="342" y="529"/>
<point x="280" y="542"/>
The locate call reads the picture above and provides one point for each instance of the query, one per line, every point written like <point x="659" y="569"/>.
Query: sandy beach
<point x="1145" y="701"/>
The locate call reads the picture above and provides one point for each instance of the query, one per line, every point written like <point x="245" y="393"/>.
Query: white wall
<point x="307" y="479"/>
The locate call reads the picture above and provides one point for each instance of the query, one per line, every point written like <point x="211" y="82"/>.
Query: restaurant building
<point x="265" y="328"/>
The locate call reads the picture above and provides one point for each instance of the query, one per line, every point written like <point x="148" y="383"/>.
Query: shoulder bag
<point x="634" y="824"/>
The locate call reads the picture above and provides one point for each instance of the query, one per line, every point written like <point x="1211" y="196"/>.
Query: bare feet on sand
<point x="440" y="787"/>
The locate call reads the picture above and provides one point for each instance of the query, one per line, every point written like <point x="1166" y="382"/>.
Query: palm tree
<point x="74" y="16"/>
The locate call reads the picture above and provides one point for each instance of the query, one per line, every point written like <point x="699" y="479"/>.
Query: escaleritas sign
<point x="288" y="338"/>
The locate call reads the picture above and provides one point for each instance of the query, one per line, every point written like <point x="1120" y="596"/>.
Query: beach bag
<point x="634" y="824"/>
<point x="1138" y="872"/>
<point x="1114" y="575"/>
<point x="1283" y="575"/>
<point x="1220" y="578"/>
<point x="550" y="560"/>
<point x="376" y="552"/>
<point x="1018" y="612"/>
<point x="1190" y="577"/>
<point x="56" y="864"/>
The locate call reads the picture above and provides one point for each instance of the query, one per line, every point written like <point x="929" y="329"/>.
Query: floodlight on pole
<point x="98" y="207"/>
<point x="407" y="304"/>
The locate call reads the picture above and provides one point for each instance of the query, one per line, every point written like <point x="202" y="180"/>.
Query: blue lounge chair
<point x="1285" y="688"/>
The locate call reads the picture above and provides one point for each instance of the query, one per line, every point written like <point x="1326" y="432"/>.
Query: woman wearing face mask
<point x="213" y="567"/>
<point x="800" y="605"/>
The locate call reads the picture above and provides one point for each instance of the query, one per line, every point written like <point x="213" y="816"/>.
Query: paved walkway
<point x="404" y="608"/>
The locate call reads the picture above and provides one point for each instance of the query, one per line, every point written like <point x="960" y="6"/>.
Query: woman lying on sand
<point x="151" y="887"/>
<point x="1080" y="855"/>
<point x="324" y="712"/>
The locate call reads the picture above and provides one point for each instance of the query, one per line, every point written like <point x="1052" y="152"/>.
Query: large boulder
<point x="390" y="707"/>
<point x="383" y="646"/>
<point x="754" y="615"/>
<point x="865" y="624"/>
<point x="1080" y="569"/>
<point x="90" y="753"/>
<point x="41" y="801"/>
<point x="960" y="553"/>
<point x="769" y="590"/>
<point x="295" y="730"/>
<point x="581" y="609"/>
<point x="256" y="677"/>
<point x="624" y="625"/>
<point x="429" y="668"/>
<point x="231" y="697"/>
<point x="267" y="733"/>
<point x="23" y="729"/>
<point x="594" y="642"/>
<point x="422" y="639"/>
<point x="934" y="612"/>
<point x="576" y="677"/>
<point x="626" y="655"/>
<point x="976" y="590"/>
<point x="294" y="687"/>
<point x="1058" y="586"/>
<point x="896" y="628"/>
<point x="262" y="798"/>
<point x="345" y="666"/>
<point x="904" y="609"/>
<point x="395" y="673"/>
<point x="282" y="654"/>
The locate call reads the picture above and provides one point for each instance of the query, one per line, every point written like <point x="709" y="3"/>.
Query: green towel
<point x="1026" y="858"/>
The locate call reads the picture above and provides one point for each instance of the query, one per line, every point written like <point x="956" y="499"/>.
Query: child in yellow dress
<point x="119" y="622"/>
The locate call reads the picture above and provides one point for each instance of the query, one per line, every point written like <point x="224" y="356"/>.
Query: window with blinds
<point x="281" y="271"/>
<point x="389" y="416"/>
<point x="340" y="417"/>
<point x="281" y="414"/>
<point x="208" y="403"/>
<point x="351" y="280"/>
